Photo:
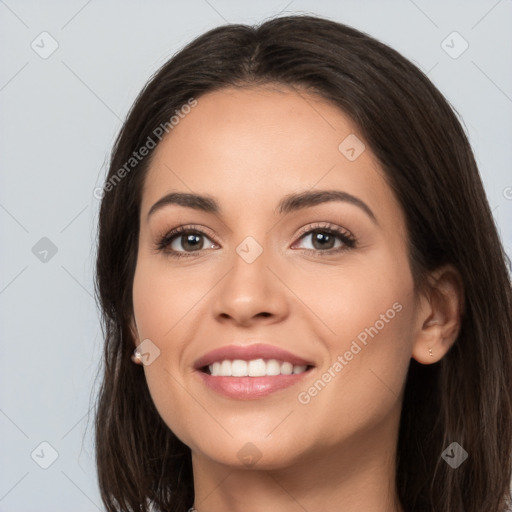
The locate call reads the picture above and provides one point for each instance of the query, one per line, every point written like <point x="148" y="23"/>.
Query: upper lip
<point x="248" y="353"/>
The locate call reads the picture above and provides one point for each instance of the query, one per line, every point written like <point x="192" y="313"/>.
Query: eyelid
<point x="185" y="228"/>
<point x="348" y="240"/>
<point x="166" y="239"/>
<point x="324" y="225"/>
<point x="163" y="241"/>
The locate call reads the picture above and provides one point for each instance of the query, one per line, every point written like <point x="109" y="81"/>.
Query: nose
<point x="251" y="292"/>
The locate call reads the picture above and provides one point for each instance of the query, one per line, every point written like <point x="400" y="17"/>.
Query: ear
<point x="438" y="315"/>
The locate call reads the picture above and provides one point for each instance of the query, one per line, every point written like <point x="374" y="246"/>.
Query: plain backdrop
<point x="69" y="73"/>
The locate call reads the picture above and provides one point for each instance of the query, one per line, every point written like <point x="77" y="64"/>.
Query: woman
<point x="295" y="240"/>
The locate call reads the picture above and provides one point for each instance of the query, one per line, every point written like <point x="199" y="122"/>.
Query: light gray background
<point x="60" y="116"/>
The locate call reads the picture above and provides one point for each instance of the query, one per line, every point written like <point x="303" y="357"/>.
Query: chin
<point x="251" y="457"/>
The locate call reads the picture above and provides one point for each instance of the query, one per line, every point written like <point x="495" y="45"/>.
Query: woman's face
<point x="254" y="273"/>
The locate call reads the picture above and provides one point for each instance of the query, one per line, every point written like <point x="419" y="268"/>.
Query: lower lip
<point x="250" y="388"/>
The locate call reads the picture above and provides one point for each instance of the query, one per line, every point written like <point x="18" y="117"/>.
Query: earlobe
<point x="136" y="357"/>
<point x="439" y="315"/>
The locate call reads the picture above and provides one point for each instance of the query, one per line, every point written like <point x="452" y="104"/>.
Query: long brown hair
<point x="421" y="146"/>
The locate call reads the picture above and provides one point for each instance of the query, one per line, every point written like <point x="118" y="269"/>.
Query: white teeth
<point x="257" y="368"/>
<point x="273" y="367"/>
<point x="215" y="368"/>
<point x="239" y="368"/>
<point x="287" y="368"/>
<point x="225" y="368"/>
<point x="254" y="368"/>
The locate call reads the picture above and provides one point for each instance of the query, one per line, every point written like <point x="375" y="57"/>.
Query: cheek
<point x="352" y="297"/>
<point x="149" y="304"/>
<point x="162" y="299"/>
<point x="369" y="314"/>
<point x="163" y="303"/>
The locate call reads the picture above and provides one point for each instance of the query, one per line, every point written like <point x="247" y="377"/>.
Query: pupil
<point x="320" y="236"/>
<point x="189" y="239"/>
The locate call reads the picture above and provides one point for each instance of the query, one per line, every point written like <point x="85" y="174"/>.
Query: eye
<point x="182" y="240"/>
<point x="324" y="238"/>
<point x="186" y="240"/>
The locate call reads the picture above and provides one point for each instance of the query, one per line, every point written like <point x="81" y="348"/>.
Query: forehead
<point x="251" y="145"/>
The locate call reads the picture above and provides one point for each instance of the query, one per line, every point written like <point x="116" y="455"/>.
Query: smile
<point x="253" y="368"/>
<point x="248" y="372"/>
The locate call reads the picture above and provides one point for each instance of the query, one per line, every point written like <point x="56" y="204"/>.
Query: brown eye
<point x="327" y="240"/>
<point x="322" y="240"/>
<point x="189" y="242"/>
<point x="183" y="241"/>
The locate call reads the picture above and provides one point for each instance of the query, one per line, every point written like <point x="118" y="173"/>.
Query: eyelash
<point x="349" y="241"/>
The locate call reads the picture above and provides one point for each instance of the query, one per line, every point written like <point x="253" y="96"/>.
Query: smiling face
<point x="328" y="281"/>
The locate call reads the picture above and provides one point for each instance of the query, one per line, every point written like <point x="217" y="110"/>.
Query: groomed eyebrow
<point x="289" y="203"/>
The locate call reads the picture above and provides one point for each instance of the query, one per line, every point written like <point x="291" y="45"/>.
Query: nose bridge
<point x="248" y="275"/>
<point x="250" y="287"/>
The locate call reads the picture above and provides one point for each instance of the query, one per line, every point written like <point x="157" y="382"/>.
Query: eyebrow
<point x="289" y="203"/>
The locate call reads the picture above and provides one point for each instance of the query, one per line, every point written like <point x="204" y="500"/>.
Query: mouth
<point x="251" y="372"/>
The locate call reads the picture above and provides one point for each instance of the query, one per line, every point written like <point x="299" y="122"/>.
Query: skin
<point x="248" y="148"/>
